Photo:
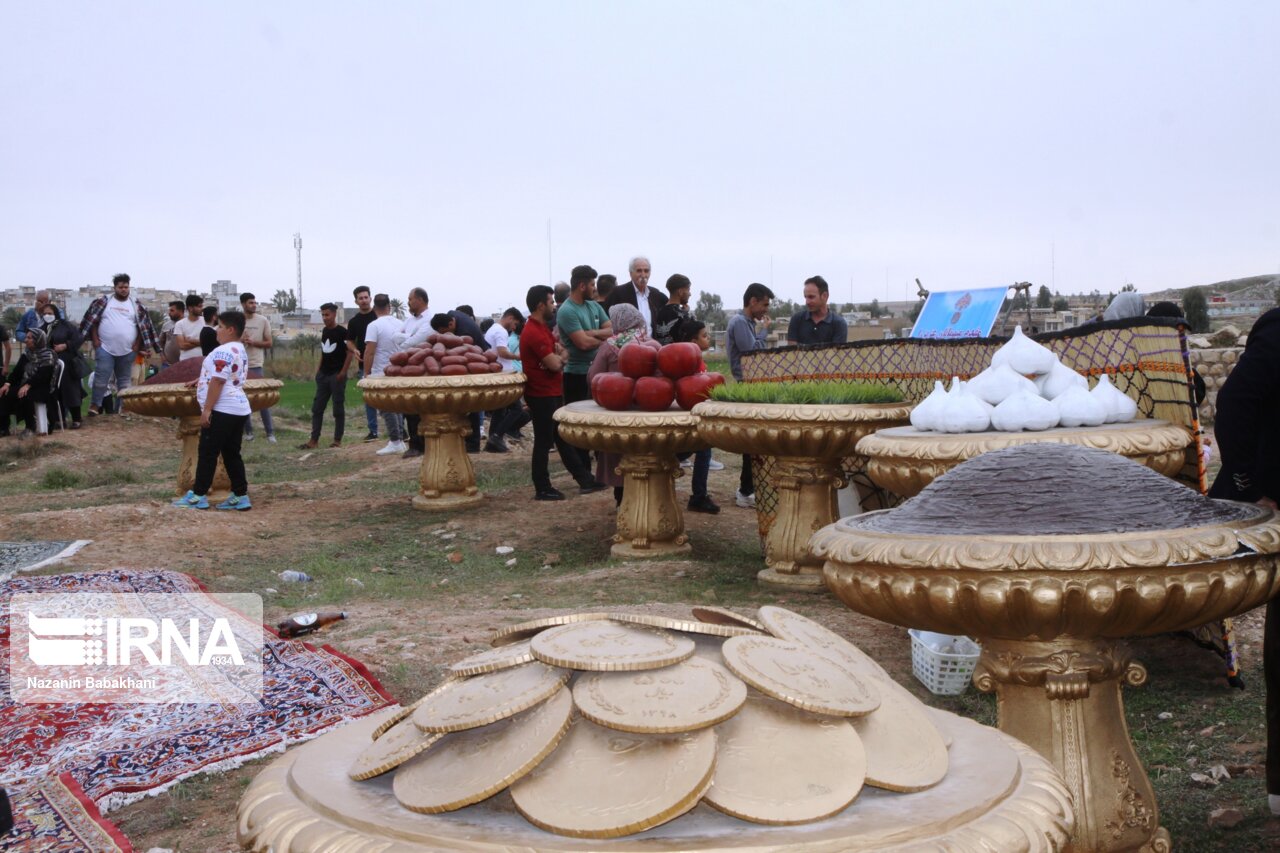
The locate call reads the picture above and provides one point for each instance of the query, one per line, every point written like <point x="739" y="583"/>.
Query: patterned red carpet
<point x="64" y="766"/>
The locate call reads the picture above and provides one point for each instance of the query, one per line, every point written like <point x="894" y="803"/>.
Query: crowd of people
<point x="569" y="333"/>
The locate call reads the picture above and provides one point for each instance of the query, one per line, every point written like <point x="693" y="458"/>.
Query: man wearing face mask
<point x="119" y="327"/>
<point x="31" y="319"/>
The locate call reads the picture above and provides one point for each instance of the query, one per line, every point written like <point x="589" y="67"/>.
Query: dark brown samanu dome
<point x="183" y="371"/>
<point x="1054" y="489"/>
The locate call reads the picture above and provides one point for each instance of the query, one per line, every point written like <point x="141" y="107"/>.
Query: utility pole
<point x="297" y="245"/>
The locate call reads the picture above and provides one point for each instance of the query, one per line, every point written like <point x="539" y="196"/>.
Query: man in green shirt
<point x="583" y="326"/>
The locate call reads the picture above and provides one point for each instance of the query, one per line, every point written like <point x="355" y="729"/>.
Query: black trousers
<point x="545" y="434"/>
<point x="221" y="437"/>
<point x="329" y="386"/>
<point x="576" y="388"/>
<point x="1271" y="674"/>
<point x="746" y="481"/>
<point x="413" y="437"/>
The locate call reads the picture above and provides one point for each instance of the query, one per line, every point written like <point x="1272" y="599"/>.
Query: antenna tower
<point x="297" y="245"/>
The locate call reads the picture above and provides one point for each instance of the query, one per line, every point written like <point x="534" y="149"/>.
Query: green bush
<point x="60" y="478"/>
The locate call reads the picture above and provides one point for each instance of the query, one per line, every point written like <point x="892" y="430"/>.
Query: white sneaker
<point x="715" y="465"/>
<point x="688" y="463"/>
<point x="393" y="447"/>
<point x="272" y="438"/>
<point x="745" y="501"/>
<point x="1273" y="803"/>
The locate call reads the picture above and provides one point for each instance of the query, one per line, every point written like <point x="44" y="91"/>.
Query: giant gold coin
<point x="686" y="625"/>
<point x="601" y="783"/>
<point x="525" y="630"/>
<point x="386" y="725"/>
<point x="777" y="764"/>
<point x="723" y="616"/>
<point x="800" y="677"/>
<point x="905" y="750"/>
<point x="488" y="698"/>
<point x="467" y="767"/>
<point x="492" y="660"/>
<point x="690" y="695"/>
<point x="402" y="742"/>
<point x="788" y="625"/>
<point x="610" y="647"/>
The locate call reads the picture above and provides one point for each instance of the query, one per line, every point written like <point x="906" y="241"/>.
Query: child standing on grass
<point x="224" y="411"/>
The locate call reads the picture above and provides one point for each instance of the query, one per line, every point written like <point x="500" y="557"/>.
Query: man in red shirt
<point x="543" y="361"/>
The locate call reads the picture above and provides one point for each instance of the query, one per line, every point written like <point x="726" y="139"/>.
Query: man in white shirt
<point x="256" y="340"/>
<point x="120" y="328"/>
<point x="414" y="334"/>
<point x="379" y="346"/>
<point x="187" y="330"/>
<point x="503" y="421"/>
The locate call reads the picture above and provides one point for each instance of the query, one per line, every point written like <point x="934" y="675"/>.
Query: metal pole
<point x="297" y="244"/>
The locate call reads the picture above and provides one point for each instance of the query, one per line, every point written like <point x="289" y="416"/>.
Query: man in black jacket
<point x="637" y="292"/>
<point x="1248" y="415"/>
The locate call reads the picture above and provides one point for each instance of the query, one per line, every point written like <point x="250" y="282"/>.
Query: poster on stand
<point x="960" y="313"/>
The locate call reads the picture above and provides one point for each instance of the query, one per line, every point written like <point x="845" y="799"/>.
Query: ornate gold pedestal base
<point x="650" y="522"/>
<point x="807" y="503"/>
<point x="189" y="435"/>
<point x="446" y="480"/>
<point x="805" y="580"/>
<point x="1062" y="698"/>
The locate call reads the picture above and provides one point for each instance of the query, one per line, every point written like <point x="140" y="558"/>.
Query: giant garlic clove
<point x="1025" y="410"/>
<point x="1077" y="407"/>
<point x="1117" y="405"/>
<point x="925" y="415"/>
<point x="1024" y="355"/>
<point x="1059" y="379"/>
<point x="995" y="384"/>
<point x="964" y="412"/>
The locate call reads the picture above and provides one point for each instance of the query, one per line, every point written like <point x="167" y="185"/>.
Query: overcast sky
<point x="1078" y="145"/>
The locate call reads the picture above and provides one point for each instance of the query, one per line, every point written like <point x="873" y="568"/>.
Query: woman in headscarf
<point x="65" y="340"/>
<point x="1126" y="305"/>
<point x="28" y="383"/>
<point x="629" y="329"/>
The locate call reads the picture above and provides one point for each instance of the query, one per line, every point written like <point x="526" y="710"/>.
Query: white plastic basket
<point x="944" y="673"/>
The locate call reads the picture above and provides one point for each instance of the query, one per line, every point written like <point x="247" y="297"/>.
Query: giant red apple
<point x="678" y="360"/>
<point x="655" y="393"/>
<point x="692" y="390"/>
<point x="612" y="391"/>
<point x="636" y="360"/>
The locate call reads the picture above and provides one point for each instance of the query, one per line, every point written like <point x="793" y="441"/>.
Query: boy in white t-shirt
<point x="224" y="410"/>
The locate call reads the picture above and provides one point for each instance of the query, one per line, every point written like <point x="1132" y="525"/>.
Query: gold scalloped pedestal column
<point x="650" y="521"/>
<point x="1050" y="554"/>
<point x="446" y="479"/>
<point x="904" y="459"/>
<point x="810" y="443"/>
<point x="165" y="400"/>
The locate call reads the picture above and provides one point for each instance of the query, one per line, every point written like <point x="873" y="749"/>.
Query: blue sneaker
<point x="192" y="501"/>
<point x="240" y="502"/>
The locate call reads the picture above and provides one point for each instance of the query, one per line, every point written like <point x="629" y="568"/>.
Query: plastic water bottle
<point x="292" y="576"/>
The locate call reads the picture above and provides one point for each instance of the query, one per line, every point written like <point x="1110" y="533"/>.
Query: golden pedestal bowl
<point x="650" y="521"/>
<point x="175" y="400"/>
<point x="1049" y="554"/>
<point x="810" y="443"/>
<point x="904" y="460"/>
<point x="602" y="734"/>
<point x="446" y="479"/>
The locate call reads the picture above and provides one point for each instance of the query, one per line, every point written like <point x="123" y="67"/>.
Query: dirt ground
<point x="344" y="515"/>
